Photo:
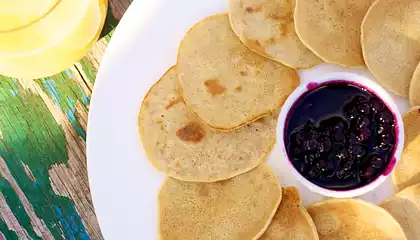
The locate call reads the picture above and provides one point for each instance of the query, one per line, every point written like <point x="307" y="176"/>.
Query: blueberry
<point x="356" y="106"/>
<point x="385" y="117"/>
<point x="295" y="151"/>
<point x="327" y="167"/>
<point x="310" y="159"/>
<point x="385" y="141"/>
<point x="377" y="162"/>
<point x="364" y="108"/>
<point x="350" y="112"/>
<point x="324" y="144"/>
<point x="362" y="122"/>
<point x="359" y="100"/>
<point x="367" y="173"/>
<point x="352" y="139"/>
<point x="341" y="153"/>
<point x="308" y="126"/>
<point x="324" y="132"/>
<point x="322" y="164"/>
<point x="364" y="134"/>
<point x="338" y="137"/>
<point x="376" y="104"/>
<point x="301" y="166"/>
<point x="314" y="173"/>
<point x="309" y="145"/>
<point x="332" y="158"/>
<point x="334" y="124"/>
<point x="337" y="127"/>
<point x="357" y="151"/>
<point x="385" y="129"/>
<point x="337" y="154"/>
<point x="345" y="174"/>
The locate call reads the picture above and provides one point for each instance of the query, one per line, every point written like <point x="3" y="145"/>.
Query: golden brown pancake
<point x="414" y="93"/>
<point x="292" y="221"/>
<point x="181" y="146"/>
<point x="407" y="171"/>
<point x="405" y="208"/>
<point x="331" y="29"/>
<point x="240" y="208"/>
<point x="391" y="42"/>
<point x="223" y="82"/>
<point x="267" y="27"/>
<point x="355" y="219"/>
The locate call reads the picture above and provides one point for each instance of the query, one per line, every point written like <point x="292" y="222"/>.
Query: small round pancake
<point x="267" y="27"/>
<point x="291" y="221"/>
<point x="179" y="145"/>
<point x="355" y="219"/>
<point x="223" y="82"/>
<point x="414" y="93"/>
<point x="331" y="29"/>
<point x="407" y="171"/>
<point x="240" y="208"/>
<point x="391" y="42"/>
<point x="405" y="208"/>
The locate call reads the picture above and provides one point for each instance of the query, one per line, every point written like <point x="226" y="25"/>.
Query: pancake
<point x="354" y="219"/>
<point x="291" y="221"/>
<point x="414" y="91"/>
<point x="179" y="145"/>
<point x="267" y="27"/>
<point x="223" y="82"/>
<point x="391" y="42"/>
<point x="331" y="29"/>
<point x="405" y="208"/>
<point x="407" y="171"/>
<point x="240" y="208"/>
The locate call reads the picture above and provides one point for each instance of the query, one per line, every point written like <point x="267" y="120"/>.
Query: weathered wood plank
<point x="44" y="191"/>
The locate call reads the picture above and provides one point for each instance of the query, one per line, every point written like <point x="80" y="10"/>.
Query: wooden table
<point x="44" y="190"/>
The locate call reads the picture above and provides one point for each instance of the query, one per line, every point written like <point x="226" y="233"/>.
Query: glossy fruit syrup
<point x="340" y="136"/>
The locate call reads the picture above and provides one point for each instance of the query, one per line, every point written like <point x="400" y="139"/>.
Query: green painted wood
<point x="44" y="193"/>
<point x="31" y="136"/>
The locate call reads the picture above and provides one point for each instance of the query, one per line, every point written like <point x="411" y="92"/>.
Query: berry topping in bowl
<point x="340" y="136"/>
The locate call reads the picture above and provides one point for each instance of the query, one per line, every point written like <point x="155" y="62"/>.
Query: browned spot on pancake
<point x="253" y="10"/>
<point x="146" y="104"/>
<point x="204" y="191"/>
<point x="284" y="18"/>
<point x="214" y="87"/>
<point x="192" y="132"/>
<point x="173" y="102"/>
<point x="162" y="128"/>
<point x="238" y="89"/>
<point x="243" y="73"/>
<point x="249" y="9"/>
<point x="283" y="29"/>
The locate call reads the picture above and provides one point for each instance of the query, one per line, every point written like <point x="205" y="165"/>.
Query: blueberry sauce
<point x="340" y="136"/>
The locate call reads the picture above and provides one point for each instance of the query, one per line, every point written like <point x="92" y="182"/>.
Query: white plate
<point x="124" y="185"/>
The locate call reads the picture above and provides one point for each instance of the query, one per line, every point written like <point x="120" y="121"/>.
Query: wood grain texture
<point x="44" y="191"/>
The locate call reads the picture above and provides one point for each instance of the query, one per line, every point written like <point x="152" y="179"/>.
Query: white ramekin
<point x="366" y="83"/>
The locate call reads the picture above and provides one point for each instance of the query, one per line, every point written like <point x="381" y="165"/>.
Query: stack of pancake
<point x="210" y="122"/>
